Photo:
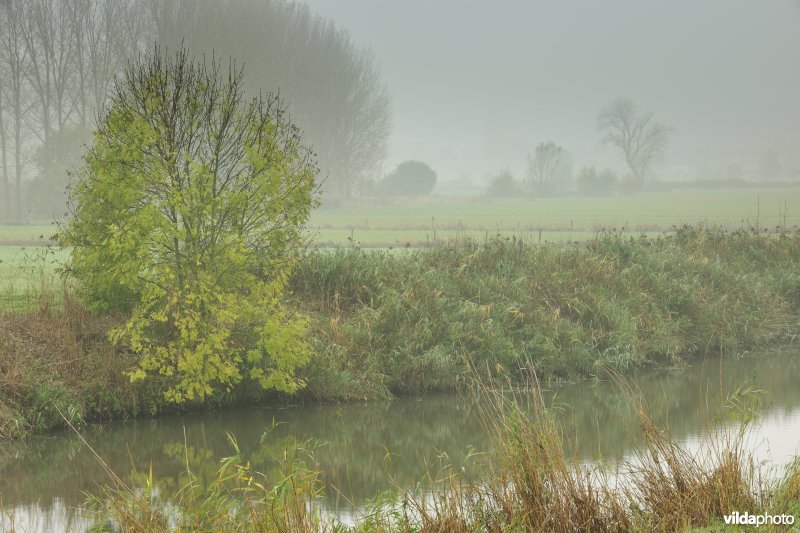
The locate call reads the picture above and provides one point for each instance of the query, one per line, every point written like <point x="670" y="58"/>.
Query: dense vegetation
<point x="188" y="216"/>
<point x="413" y="321"/>
<point x="406" y="321"/>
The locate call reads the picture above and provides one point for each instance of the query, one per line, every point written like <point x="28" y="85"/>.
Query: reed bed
<point x="237" y="498"/>
<point x="399" y="322"/>
<point x="56" y="358"/>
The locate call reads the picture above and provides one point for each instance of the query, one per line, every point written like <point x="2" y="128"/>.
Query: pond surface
<point x="43" y="482"/>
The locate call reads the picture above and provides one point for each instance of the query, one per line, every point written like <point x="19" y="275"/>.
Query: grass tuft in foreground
<point x="237" y="498"/>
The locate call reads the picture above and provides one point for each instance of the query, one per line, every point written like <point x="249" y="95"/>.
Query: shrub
<point x="410" y="178"/>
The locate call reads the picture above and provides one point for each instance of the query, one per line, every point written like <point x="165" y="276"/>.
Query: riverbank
<point x="399" y="322"/>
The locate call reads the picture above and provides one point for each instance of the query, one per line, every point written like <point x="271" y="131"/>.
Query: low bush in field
<point x="396" y="322"/>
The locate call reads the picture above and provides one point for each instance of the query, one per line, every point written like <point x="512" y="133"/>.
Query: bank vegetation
<point x="397" y="322"/>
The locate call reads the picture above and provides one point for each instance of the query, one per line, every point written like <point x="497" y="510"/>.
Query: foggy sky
<point x="476" y="85"/>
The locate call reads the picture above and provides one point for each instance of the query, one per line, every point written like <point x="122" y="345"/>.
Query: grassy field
<point x="24" y="271"/>
<point x="534" y="220"/>
<point x="370" y="223"/>
<point x="37" y="233"/>
<point x="766" y="207"/>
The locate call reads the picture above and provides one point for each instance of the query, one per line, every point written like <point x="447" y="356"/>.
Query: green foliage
<point x="187" y="215"/>
<point x="410" y="178"/>
<point x="413" y="321"/>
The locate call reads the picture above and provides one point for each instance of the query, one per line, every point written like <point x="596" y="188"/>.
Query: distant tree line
<point x="59" y="60"/>
<point x="334" y="89"/>
<point x="636" y="136"/>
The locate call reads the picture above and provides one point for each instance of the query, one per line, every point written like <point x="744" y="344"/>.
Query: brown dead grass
<point x="55" y="359"/>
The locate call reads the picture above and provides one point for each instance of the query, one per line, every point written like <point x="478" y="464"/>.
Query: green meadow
<point x="378" y="223"/>
<point x="766" y="207"/>
<point x="406" y="223"/>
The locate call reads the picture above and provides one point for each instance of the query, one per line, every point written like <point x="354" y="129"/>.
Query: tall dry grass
<point x="57" y="358"/>
<point x="533" y="485"/>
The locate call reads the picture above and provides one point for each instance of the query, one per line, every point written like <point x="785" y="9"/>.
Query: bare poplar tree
<point x="4" y="176"/>
<point x="78" y="18"/>
<point x="5" y="205"/>
<point x="106" y="35"/>
<point x="641" y="140"/>
<point x="356" y="148"/>
<point x="548" y="165"/>
<point x="14" y="62"/>
<point x="51" y="47"/>
<point x="58" y="60"/>
<point x="333" y="88"/>
<point x="75" y="49"/>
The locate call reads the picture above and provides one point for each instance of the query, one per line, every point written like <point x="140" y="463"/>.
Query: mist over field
<point x="471" y="89"/>
<point x="476" y="85"/>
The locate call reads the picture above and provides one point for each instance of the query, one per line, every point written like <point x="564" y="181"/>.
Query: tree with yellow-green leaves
<point x="188" y="216"/>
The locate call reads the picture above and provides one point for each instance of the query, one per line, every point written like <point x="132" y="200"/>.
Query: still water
<point x="43" y="482"/>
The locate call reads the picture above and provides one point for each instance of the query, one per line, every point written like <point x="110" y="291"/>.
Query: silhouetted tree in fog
<point x="58" y="59"/>
<point x="410" y="178"/>
<point x="502" y="185"/>
<point x="107" y="34"/>
<point x="547" y="166"/>
<point x="14" y="108"/>
<point x="641" y="140"/>
<point x="595" y="182"/>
